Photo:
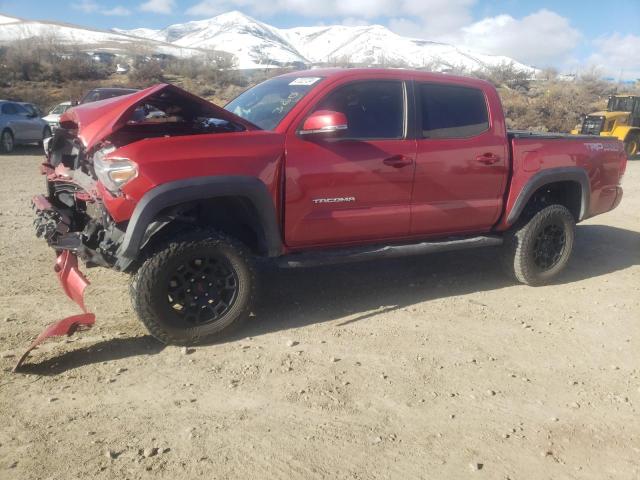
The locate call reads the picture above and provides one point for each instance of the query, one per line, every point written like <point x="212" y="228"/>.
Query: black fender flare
<point x="546" y="177"/>
<point x="200" y="188"/>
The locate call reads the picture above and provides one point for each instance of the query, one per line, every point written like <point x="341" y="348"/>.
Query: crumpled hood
<point x="98" y="120"/>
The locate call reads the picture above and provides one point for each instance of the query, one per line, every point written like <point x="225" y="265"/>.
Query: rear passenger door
<point x="355" y="187"/>
<point x="461" y="163"/>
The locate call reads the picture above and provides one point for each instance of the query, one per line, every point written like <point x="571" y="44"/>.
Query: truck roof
<point x="400" y="73"/>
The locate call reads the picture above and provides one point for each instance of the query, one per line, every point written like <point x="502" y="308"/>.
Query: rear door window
<point x="449" y="111"/>
<point x="374" y="109"/>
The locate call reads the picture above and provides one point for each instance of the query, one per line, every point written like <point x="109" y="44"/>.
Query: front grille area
<point x="592" y="125"/>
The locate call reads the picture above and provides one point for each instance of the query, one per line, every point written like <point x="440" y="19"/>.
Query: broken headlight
<point x="114" y="172"/>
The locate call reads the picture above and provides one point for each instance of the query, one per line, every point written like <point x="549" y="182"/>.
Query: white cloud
<point x="543" y="38"/>
<point x="86" y="6"/>
<point x="158" y="6"/>
<point x="354" y="22"/>
<point x="616" y="55"/>
<point x="118" y="10"/>
<point x="89" y="6"/>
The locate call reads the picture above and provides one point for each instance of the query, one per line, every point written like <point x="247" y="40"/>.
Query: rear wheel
<point x="6" y="141"/>
<point x="538" y="250"/>
<point x="632" y="144"/>
<point x="194" y="287"/>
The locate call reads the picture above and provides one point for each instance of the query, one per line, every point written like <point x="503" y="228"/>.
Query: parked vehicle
<point x="103" y="93"/>
<point x="308" y="168"/>
<point x="53" y="117"/>
<point x="32" y="109"/>
<point x="19" y="125"/>
<point x="621" y="119"/>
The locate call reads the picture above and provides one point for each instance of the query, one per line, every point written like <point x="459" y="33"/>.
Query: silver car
<point x="19" y="126"/>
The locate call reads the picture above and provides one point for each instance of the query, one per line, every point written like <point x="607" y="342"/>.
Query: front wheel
<point x="194" y="287"/>
<point x="538" y="250"/>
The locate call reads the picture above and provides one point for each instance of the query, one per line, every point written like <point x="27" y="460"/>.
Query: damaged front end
<point x="74" y="222"/>
<point x="72" y="217"/>
<point x="86" y="209"/>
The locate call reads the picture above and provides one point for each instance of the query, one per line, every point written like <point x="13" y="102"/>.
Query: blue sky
<point x="567" y="34"/>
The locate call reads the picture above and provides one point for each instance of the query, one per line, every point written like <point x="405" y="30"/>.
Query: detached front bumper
<point x="73" y="283"/>
<point x="54" y="225"/>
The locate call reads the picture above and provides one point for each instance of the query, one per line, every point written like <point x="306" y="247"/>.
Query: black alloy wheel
<point x="549" y="246"/>
<point x="203" y="289"/>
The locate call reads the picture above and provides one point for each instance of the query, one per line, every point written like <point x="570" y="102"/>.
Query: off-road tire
<point x="632" y="145"/>
<point x="148" y="287"/>
<point x="520" y="244"/>
<point x="3" y="147"/>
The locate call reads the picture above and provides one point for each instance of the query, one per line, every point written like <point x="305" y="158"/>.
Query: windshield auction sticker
<point x="305" y="81"/>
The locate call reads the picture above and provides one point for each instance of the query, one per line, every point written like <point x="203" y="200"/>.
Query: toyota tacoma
<point x="307" y="168"/>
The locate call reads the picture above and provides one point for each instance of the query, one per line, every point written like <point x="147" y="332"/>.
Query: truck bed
<point x="550" y="135"/>
<point x="547" y="154"/>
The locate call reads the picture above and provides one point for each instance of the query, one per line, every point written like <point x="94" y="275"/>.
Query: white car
<point x="53" y="117"/>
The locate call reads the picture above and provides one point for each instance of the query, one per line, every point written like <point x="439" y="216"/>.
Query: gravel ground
<point x="435" y="367"/>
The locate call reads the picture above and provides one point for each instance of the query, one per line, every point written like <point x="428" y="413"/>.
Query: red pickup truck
<point x="307" y="168"/>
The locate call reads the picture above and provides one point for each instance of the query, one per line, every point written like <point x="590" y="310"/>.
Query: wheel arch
<point x="244" y="199"/>
<point x="9" y="128"/>
<point x="568" y="186"/>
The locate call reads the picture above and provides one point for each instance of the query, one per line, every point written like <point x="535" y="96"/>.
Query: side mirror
<point x="324" y="122"/>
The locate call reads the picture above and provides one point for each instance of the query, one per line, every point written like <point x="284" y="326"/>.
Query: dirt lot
<point x="434" y="367"/>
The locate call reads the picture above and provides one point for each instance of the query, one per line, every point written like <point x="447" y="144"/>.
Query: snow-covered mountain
<point x="375" y="44"/>
<point x="254" y="44"/>
<point x="12" y="28"/>
<point x="257" y="45"/>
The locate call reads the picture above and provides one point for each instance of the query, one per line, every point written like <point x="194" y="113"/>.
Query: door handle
<point x="397" y="161"/>
<point x="488" y="158"/>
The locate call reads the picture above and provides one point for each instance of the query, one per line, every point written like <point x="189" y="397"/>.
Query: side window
<point x="9" y="109"/>
<point x="21" y="110"/>
<point x="449" y="111"/>
<point x="374" y="109"/>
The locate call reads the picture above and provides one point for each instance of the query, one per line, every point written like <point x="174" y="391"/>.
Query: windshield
<point x="60" y="109"/>
<point x="620" y="104"/>
<point x="265" y="105"/>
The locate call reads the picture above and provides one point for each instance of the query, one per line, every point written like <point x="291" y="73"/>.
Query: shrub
<point x="146" y="73"/>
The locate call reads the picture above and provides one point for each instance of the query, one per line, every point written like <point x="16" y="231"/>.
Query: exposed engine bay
<point x="72" y="216"/>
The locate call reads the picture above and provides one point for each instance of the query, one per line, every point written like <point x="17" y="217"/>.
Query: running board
<point x="370" y="252"/>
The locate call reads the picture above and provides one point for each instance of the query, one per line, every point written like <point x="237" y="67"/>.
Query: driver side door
<point x="357" y="186"/>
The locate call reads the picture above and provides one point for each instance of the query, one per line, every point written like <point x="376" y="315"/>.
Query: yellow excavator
<point x="620" y="120"/>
